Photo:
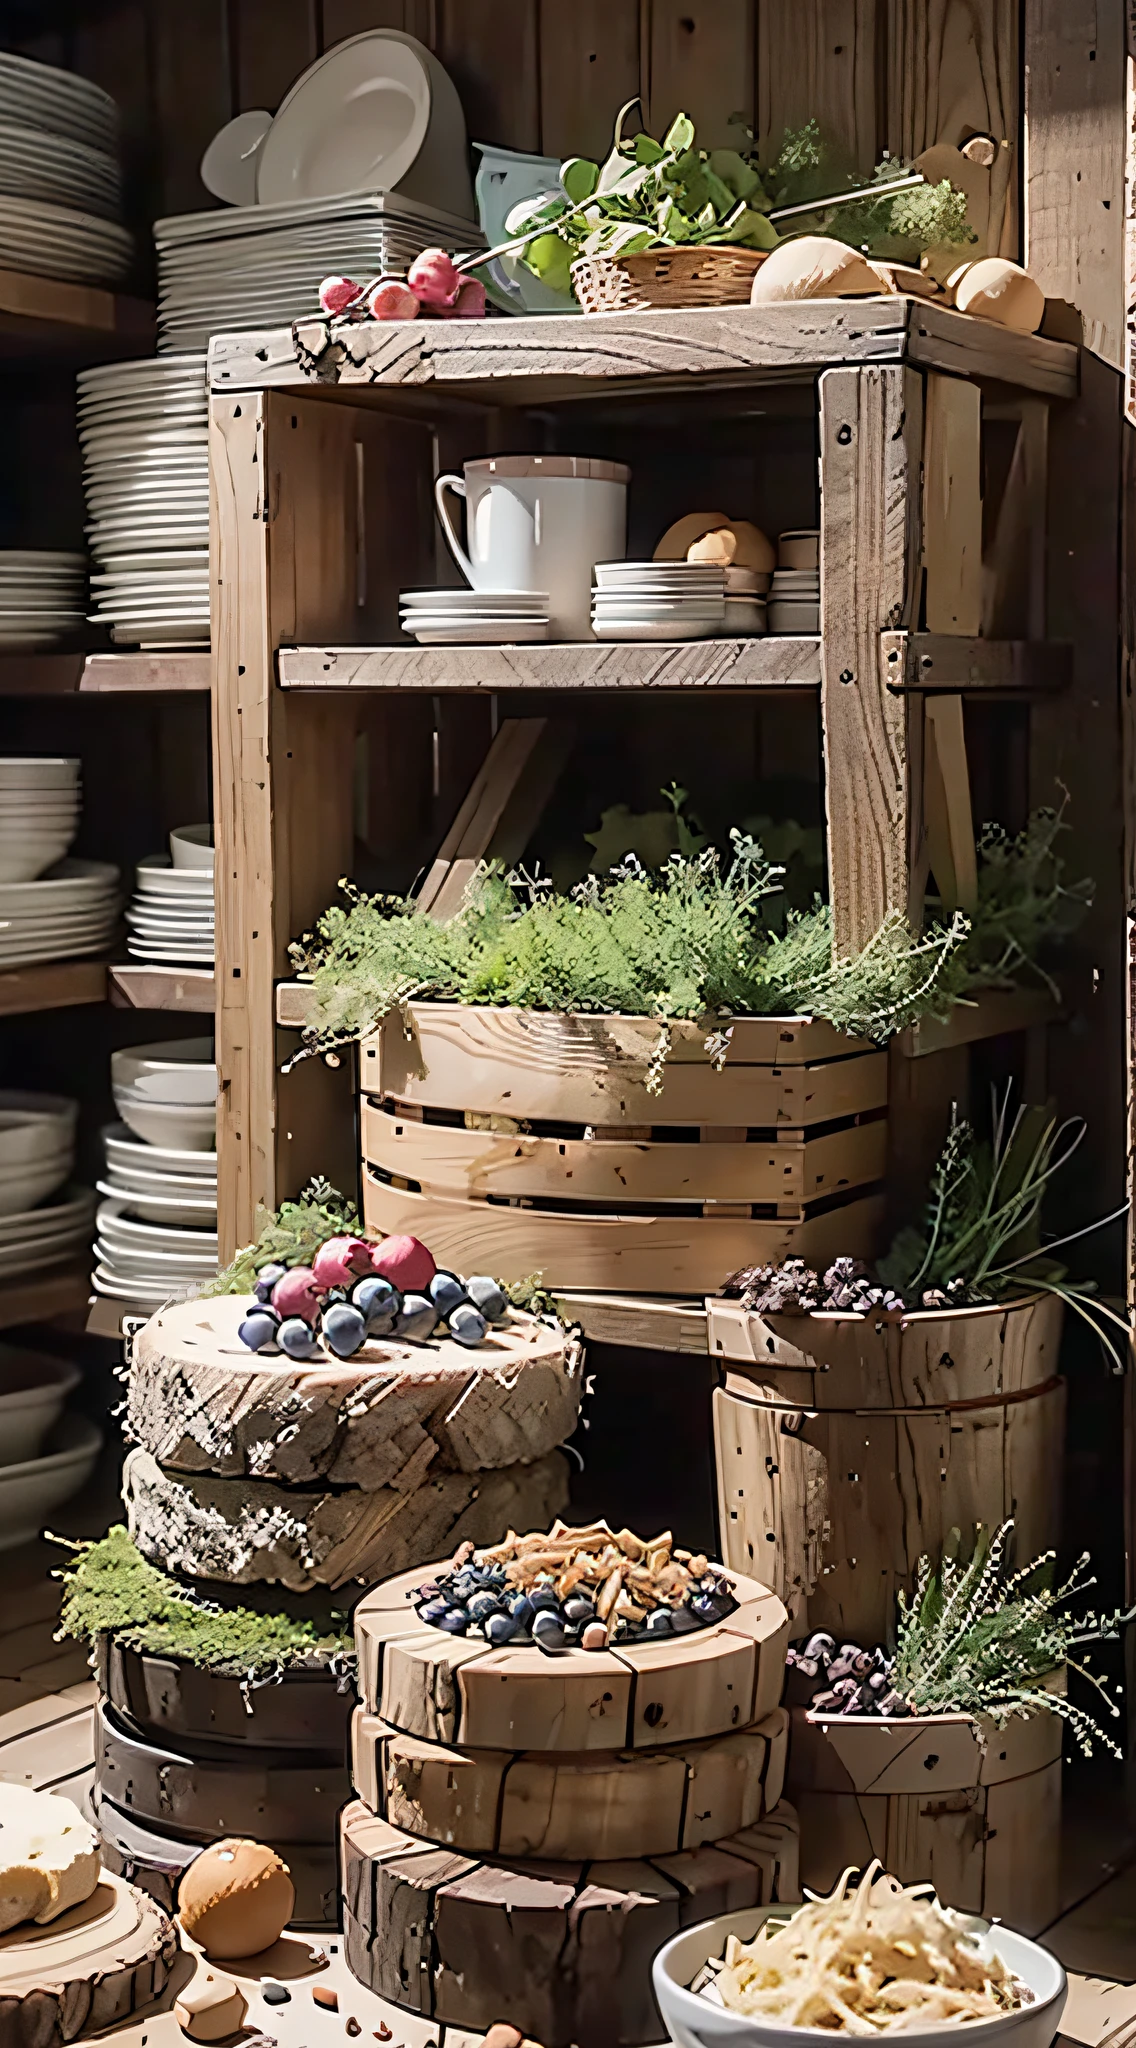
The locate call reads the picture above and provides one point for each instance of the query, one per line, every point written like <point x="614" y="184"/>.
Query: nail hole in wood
<point x="844" y="434"/>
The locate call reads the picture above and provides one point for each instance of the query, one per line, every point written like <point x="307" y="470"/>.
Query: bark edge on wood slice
<point x="440" y="1933"/>
<point x="604" y="1804"/>
<point x="243" y="1531"/>
<point x="176" y="1700"/>
<point x="200" y="1401"/>
<point x="155" y="1861"/>
<point x="218" y="1791"/>
<point x="455" y="1689"/>
<point x="94" y="1966"/>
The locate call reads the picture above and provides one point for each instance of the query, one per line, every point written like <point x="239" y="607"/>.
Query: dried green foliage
<point x="897" y="227"/>
<point x="976" y="1638"/>
<point x="291" y="1237"/>
<point x="110" y="1589"/>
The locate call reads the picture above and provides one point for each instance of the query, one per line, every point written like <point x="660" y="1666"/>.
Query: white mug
<point x="540" y="523"/>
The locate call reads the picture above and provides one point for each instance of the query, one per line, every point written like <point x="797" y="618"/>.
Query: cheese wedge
<point x="49" y="1856"/>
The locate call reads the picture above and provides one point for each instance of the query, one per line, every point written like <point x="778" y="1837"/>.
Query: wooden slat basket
<point x="665" y="277"/>
<point x="519" y="1141"/>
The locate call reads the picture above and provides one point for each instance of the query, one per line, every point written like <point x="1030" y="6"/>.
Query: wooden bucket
<point x="973" y="1808"/>
<point x="666" y="277"/>
<point x="847" y="1447"/>
<point x="519" y="1141"/>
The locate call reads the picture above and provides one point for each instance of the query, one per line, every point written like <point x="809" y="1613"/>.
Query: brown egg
<point x="236" y="1898"/>
<point x="814" y="267"/>
<point x="996" y="289"/>
<point x="677" y="538"/>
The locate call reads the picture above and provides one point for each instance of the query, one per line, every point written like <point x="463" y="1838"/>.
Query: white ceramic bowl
<point x="191" y="846"/>
<point x="696" y="2022"/>
<point x="38" y="772"/>
<point x="27" y="856"/>
<point x="33" y="1388"/>
<point x="180" y="1072"/>
<point x="32" y="1490"/>
<point x="33" y="1125"/>
<point x="21" y="1191"/>
<point x="174" y="1126"/>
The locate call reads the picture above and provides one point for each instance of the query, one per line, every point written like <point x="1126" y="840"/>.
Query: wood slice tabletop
<point x="456" y="1689"/>
<point x="98" y="1963"/>
<point x="200" y="1401"/>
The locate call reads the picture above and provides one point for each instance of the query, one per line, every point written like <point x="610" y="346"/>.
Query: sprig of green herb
<point x="290" y="1237"/>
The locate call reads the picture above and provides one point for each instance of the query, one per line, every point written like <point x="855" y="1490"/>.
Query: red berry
<point x="405" y="1262"/>
<point x="340" y="1260"/>
<point x="392" y="299"/>
<point x="433" y="278"/>
<point x="297" y="1294"/>
<point x="336" y="294"/>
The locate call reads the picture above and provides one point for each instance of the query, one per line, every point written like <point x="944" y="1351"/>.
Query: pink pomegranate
<point x="405" y="1262"/>
<point x="392" y="299"/>
<point x="297" y="1294"/>
<point x="337" y="293"/>
<point x="433" y="278"/>
<point x="340" y="1260"/>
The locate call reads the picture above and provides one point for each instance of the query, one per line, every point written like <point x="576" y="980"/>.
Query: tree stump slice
<point x="155" y="1860"/>
<point x="454" y="1689"/>
<point x="93" y="1967"/>
<point x="609" y="1804"/>
<point x="570" y="1943"/>
<point x="200" y="1402"/>
<point x="252" y="1531"/>
<point x="218" y="1791"/>
<point x="305" y="1709"/>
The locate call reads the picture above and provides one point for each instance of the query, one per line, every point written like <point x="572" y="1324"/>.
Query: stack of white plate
<point x="794" y="600"/>
<point x="658" y="601"/>
<point x="39" y="814"/>
<point x="448" y="618"/>
<point x="43" y="597"/>
<point x="71" y="910"/>
<point x="42" y="1220"/>
<point x="262" y="266"/>
<point x="149" y="1263"/>
<point x="170" y="920"/>
<point x="60" y="186"/>
<point x="159" y="1183"/>
<point x="144" y="429"/>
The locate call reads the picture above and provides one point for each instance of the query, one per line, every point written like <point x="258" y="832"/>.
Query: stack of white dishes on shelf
<point x="45" y="1455"/>
<point x="43" y="1219"/>
<point x="794" y="600"/>
<point x="144" y="430"/>
<point x="171" y="919"/>
<point x="262" y="266"/>
<point x="40" y="802"/>
<point x="60" y="183"/>
<point x="157" y="1226"/>
<point x="675" y="601"/>
<point x="50" y="908"/>
<point x="43" y="598"/>
<point x="475" y="618"/>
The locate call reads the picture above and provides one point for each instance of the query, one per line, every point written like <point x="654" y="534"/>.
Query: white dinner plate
<point x="634" y="629"/>
<point x="505" y="632"/>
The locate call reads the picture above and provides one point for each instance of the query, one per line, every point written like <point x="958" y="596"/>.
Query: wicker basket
<point x="665" y="277"/>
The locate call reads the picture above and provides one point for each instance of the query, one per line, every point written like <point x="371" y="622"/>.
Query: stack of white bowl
<point x="43" y="598"/>
<point x="794" y="600"/>
<point x="43" y="1219"/>
<point x="155" y="1243"/>
<point x="45" y="1455"/>
<point x="50" y="908"/>
<point x="144" y="429"/>
<point x="675" y="601"/>
<point x="40" y="802"/>
<point x="171" y="918"/>
<point x="60" y="183"/>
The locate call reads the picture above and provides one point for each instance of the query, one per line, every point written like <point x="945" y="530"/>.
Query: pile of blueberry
<point x="842" y="1680"/>
<point x="355" y="1289"/>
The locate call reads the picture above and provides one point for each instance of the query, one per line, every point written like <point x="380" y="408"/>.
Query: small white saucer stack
<point x="171" y="920"/>
<point x="794" y="601"/>
<point x="157" y="1227"/>
<point x="475" y="618"/>
<point x="669" y="600"/>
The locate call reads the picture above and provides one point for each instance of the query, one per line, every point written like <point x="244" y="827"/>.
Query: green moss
<point x="291" y="1237"/>
<point x="111" y="1590"/>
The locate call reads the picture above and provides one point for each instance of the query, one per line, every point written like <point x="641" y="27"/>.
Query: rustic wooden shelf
<point x="539" y="360"/>
<point x="150" y="987"/>
<point x="62" y="675"/>
<point x="639" y="1321"/>
<point x="44" y="315"/>
<point x="774" y="661"/>
<point x="45" y="1297"/>
<point x="52" y="985"/>
<point x="993" y="1012"/>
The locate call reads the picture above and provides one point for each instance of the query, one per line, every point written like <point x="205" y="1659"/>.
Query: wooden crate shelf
<point x="149" y="987"/>
<point x="62" y="675"/>
<point x="52" y="985"/>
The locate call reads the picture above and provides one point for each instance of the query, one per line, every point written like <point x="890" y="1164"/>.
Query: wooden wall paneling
<point x="952" y="505"/>
<point x="818" y="59"/>
<point x="343" y="18"/>
<point x="953" y="72"/>
<point x="489" y="47"/>
<point x="273" y="42"/>
<point x="1074" y="69"/>
<point x="589" y="68"/>
<point x="700" y="61"/>
<point x="871" y="447"/>
<point x="192" y="87"/>
<point x="112" y="47"/>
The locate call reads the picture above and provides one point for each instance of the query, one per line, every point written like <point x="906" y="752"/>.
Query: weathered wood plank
<point x="816" y="60"/>
<point x="275" y="40"/>
<point x="489" y="47"/>
<point x="954" y="71"/>
<point x="952" y="505"/>
<point x="774" y="661"/>
<point x="1074" y="162"/>
<point x="589" y="67"/>
<point x="700" y="62"/>
<point x="954" y="662"/>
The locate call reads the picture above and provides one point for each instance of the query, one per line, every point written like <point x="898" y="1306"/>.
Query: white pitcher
<point x="540" y="523"/>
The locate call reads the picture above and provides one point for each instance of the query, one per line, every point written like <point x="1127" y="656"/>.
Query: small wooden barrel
<point x="179" y="1702"/>
<point x="202" y="1794"/>
<point x="847" y="1447"/>
<point x="524" y="1141"/>
<point x="973" y="1808"/>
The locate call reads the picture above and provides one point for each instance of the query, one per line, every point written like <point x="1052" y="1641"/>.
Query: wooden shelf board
<point x="45" y="1297"/>
<point x="538" y="360"/>
<point x="992" y="1013"/>
<point x="140" y="986"/>
<point x="61" y="675"/>
<point x="946" y="661"/>
<point x="46" y="314"/>
<point x="52" y="985"/>
<point x="774" y="661"/>
<point x="637" y="1320"/>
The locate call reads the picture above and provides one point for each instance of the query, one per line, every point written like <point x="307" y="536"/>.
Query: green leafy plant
<point x="291" y="1237"/>
<point x="110" y="1589"/>
<point x="978" y="1638"/>
<point x="895" y="226"/>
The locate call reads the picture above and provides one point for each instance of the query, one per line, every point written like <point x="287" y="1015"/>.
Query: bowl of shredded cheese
<point x="877" y="1957"/>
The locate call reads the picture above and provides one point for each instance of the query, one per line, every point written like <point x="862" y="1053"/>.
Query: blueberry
<point x="418" y="1318"/>
<point x="501" y="1628"/>
<point x="464" y="1586"/>
<point x="481" y="1606"/>
<point x="343" y="1329"/>
<point x="579" y="1610"/>
<point x="455" y="1621"/>
<point x="543" y="1597"/>
<point x="467" y="1324"/>
<point x="378" y="1301"/>
<point x="488" y="1296"/>
<point x="433" y="1611"/>
<point x="522" y="1613"/>
<point x="446" y="1292"/>
<point x="297" y="1339"/>
<point x="548" y="1631"/>
<point x="266" y="1279"/>
<point x="258" y="1329"/>
<point x="707" y="1608"/>
<point x="683" y="1621"/>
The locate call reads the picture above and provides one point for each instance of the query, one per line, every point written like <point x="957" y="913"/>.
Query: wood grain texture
<point x="99" y="1963"/>
<point x="871" y="442"/>
<point x="489" y="48"/>
<point x="946" y="661"/>
<point x="589" y="67"/>
<point x="700" y="61"/>
<point x="161" y="988"/>
<point x="774" y="661"/>
<point x="954" y="71"/>
<point x="275" y="40"/>
<point x="947" y="808"/>
<point x="309" y="1710"/>
<point x="220" y="1790"/>
<point x="192" y="96"/>
<point x="952" y="505"/>
<point x="1074" y="65"/>
<point x="816" y="60"/>
<point x="200" y="1402"/>
<point x="500" y="808"/>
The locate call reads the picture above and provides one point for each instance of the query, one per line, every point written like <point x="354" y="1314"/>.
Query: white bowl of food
<point x="1026" y="2002"/>
<point x="33" y="1388"/>
<point x="191" y="846"/>
<point x="31" y="1491"/>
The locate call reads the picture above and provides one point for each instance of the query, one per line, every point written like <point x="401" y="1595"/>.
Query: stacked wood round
<point x="94" y="1967"/>
<point x="524" y="1141"/>
<point x="251" y="1468"/>
<point x="848" y="1447"/>
<point x="530" y="1828"/>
